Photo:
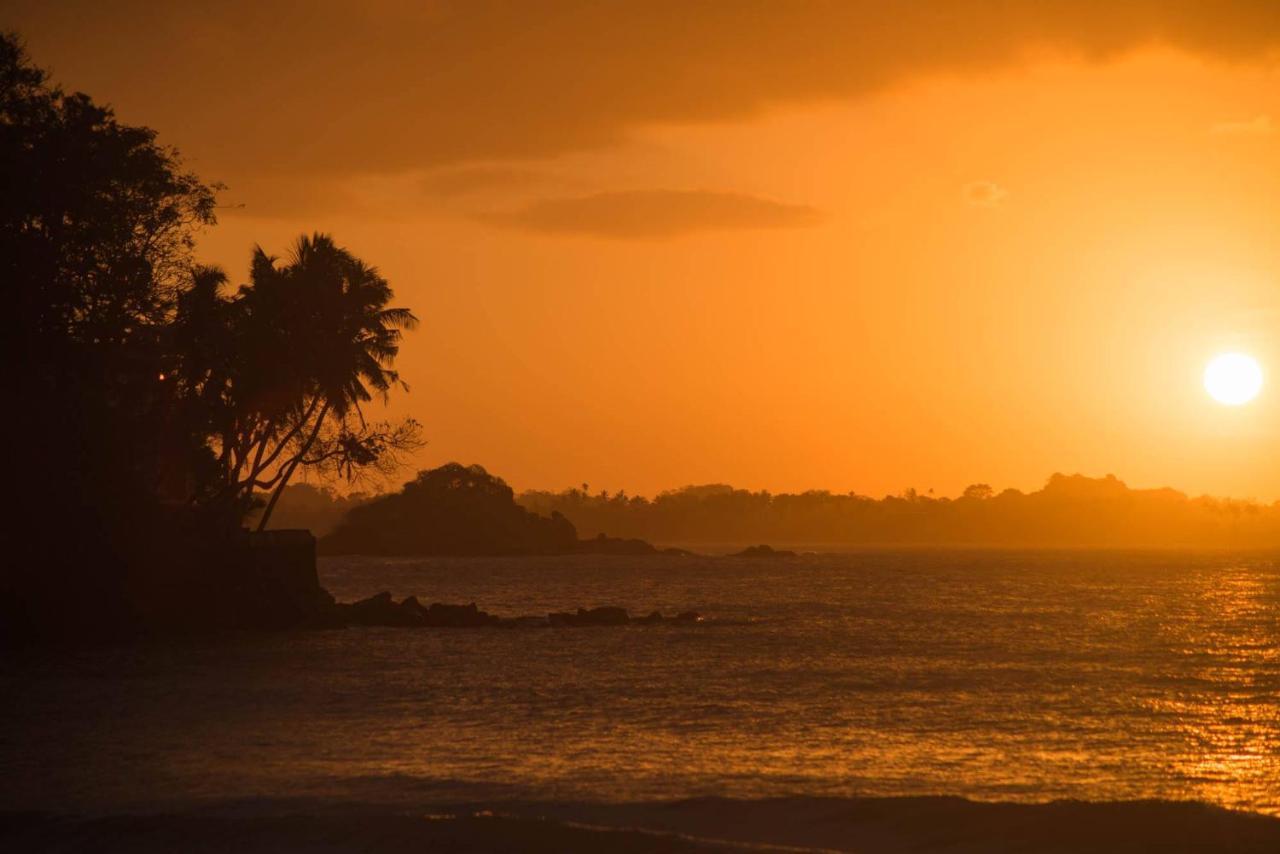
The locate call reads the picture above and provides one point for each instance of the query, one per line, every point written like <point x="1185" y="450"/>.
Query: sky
<point x="848" y="246"/>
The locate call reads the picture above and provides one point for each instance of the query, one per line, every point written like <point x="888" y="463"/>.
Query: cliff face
<point x="451" y="510"/>
<point x="183" y="582"/>
<point x="249" y="581"/>
<point x="280" y="586"/>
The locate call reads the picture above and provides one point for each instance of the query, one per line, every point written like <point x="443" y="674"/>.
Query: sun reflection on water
<point x="1229" y="720"/>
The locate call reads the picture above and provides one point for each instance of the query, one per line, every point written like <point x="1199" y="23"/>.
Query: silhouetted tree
<point x="309" y="342"/>
<point x="97" y="225"/>
<point x="978" y="492"/>
<point x="152" y="402"/>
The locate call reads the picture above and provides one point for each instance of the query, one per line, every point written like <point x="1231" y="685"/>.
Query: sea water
<point x="993" y="675"/>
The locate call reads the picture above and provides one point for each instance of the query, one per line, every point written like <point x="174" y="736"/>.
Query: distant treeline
<point x="1071" y="510"/>
<point x="316" y="508"/>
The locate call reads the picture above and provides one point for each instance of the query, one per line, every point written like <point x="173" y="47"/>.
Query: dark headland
<point x="268" y="580"/>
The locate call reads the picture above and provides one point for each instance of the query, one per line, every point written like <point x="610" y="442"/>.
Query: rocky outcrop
<point x="592" y="617"/>
<point x="382" y="610"/>
<point x="459" y="616"/>
<point x="763" y="551"/>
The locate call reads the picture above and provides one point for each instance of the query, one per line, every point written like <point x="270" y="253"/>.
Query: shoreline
<point x="882" y="824"/>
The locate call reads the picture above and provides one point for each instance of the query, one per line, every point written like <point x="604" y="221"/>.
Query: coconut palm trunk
<point x="290" y="467"/>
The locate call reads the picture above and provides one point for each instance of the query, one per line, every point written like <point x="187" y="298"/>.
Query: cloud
<point x="984" y="194"/>
<point x="389" y="86"/>
<point x="1256" y="126"/>
<point x="638" y="214"/>
<point x="470" y="180"/>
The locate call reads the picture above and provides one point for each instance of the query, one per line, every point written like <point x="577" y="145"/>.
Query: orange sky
<point x="785" y="246"/>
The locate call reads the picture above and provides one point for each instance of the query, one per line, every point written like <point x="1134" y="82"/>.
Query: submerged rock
<point x="605" y="545"/>
<point x="763" y="551"/>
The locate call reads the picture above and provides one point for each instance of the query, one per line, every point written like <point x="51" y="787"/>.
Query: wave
<point x="890" y="825"/>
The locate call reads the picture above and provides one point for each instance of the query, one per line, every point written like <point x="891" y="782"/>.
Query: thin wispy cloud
<point x="641" y="214"/>
<point x="1260" y="125"/>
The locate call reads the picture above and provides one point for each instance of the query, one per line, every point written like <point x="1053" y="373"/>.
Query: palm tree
<point x="331" y="310"/>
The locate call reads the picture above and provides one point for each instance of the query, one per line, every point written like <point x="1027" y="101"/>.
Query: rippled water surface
<point x="993" y="675"/>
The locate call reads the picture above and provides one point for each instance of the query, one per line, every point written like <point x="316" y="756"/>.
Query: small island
<point x="465" y="510"/>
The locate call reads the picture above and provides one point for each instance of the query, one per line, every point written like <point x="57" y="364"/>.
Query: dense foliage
<point x="149" y="405"/>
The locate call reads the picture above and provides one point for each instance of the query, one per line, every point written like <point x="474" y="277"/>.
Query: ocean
<point x="1023" y="676"/>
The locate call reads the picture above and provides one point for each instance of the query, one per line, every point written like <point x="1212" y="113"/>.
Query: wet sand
<point x="889" y="825"/>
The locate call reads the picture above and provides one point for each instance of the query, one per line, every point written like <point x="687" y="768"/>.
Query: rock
<point x="593" y="617"/>
<point x="380" y="610"/>
<point x="414" y="610"/>
<point x="458" y="616"/>
<point x="603" y="617"/>
<point x="603" y="545"/>
<point x="528" y="622"/>
<point x="763" y="551"/>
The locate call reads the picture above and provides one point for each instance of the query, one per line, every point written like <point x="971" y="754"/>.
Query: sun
<point x="1233" y="378"/>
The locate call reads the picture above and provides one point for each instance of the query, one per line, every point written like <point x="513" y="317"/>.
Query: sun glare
<point x="1233" y="378"/>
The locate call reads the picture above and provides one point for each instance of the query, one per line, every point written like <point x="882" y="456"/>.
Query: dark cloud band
<point x="392" y="86"/>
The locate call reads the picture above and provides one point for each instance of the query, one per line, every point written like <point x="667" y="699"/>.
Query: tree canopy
<point x="152" y="400"/>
